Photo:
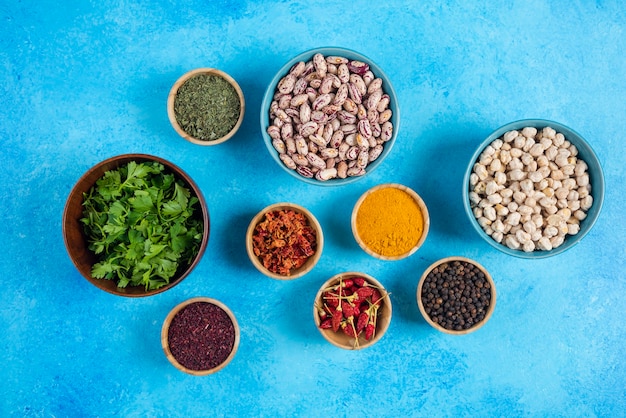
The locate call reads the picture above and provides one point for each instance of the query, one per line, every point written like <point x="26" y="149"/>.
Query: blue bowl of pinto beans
<point x="533" y="188"/>
<point x="329" y="116"/>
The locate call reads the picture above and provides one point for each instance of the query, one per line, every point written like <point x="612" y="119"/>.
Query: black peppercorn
<point x="458" y="295"/>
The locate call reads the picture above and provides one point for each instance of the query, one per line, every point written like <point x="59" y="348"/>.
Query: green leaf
<point x="137" y="170"/>
<point x="155" y="249"/>
<point x="172" y="208"/>
<point x="136" y="243"/>
<point x="181" y="195"/>
<point x="123" y="282"/>
<point x="142" y="202"/>
<point x="117" y="209"/>
<point x="114" y="230"/>
<point x="101" y="270"/>
<point x="108" y="186"/>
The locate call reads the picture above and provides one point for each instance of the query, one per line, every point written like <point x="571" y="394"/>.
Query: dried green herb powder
<point x="207" y="107"/>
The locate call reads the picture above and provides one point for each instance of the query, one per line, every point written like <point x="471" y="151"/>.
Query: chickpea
<point x="529" y="190"/>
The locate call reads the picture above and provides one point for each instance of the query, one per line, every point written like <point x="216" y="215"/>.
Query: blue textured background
<point x="87" y="80"/>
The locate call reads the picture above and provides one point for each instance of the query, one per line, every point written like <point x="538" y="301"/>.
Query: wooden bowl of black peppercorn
<point x="456" y="295"/>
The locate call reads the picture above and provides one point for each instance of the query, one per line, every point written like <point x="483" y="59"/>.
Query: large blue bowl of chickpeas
<point x="533" y="188"/>
<point x="329" y="116"/>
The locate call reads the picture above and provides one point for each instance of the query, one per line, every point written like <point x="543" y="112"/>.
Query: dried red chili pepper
<point x="336" y="320"/>
<point x="331" y="300"/>
<point x="326" y="324"/>
<point x="355" y="308"/>
<point x="348" y="329"/>
<point x="365" y="292"/>
<point x="369" y="331"/>
<point x="348" y="310"/>
<point x="362" y="321"/>
<point x="347" y="283"/>
<point x="359" y="281"/>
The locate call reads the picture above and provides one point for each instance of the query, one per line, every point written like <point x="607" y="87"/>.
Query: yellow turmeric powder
<point x="389" y="222"/>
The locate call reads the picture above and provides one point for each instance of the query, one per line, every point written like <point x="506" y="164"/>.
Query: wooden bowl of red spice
<point x="390" y="221"/>
<point x="352" y="310"/>
<point x="206" y="106"/>
<point x="200" y="336"/>
<point x="284" y="241"/>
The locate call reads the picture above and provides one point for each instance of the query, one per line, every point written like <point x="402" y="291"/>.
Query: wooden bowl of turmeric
<point x="390" y="221"/>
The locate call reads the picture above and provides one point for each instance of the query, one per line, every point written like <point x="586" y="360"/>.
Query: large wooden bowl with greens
<point x="135" y="225"/>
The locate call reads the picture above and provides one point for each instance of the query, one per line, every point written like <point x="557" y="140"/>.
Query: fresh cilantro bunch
<point x="139" y="222"/>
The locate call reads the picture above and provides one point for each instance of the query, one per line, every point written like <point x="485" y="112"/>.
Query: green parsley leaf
<point x="139" y="221"/>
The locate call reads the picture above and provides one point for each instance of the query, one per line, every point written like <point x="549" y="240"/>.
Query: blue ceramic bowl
<point x="306" y="56"/>
<point x="596" y="179"/>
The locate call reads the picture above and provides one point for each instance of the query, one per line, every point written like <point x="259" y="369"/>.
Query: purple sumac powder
<point x="201" y="336"/>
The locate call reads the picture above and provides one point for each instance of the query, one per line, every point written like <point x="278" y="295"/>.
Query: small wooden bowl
<point x="420" y="204"/>
<point x="172" y="114"/>
<point x="341" y="340"/>
<point x="490" y="309"/>
<point x="76" y="241"/>
<point x="309" y="264"/>
<point x="165" y="336"/>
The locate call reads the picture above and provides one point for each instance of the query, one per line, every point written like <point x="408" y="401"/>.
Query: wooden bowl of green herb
<point x="135" y="225"/>
<point x="206" y="106"/>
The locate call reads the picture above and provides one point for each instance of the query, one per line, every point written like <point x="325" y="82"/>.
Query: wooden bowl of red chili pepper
<point x="284" y="241"/>
<point x="200" y="336"/>
<point x="352" y="310"/>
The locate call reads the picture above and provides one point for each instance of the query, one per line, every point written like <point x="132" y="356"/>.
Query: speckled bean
<point x="330" y="113"/>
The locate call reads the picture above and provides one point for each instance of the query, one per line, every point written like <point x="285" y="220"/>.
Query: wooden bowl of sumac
<point x="352" y="310"/>
<point x="284" y="241"/>
<point x="456" y="295"/>
<point x="200" y="336"/>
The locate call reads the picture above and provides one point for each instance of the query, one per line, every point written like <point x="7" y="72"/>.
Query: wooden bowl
<point x="385" y="216"/>
<point x="311" y="261"/>
<point x="339" y="338"/>
<point x="172" y="97"/>
<point x="437" y="326"/>
<point x="76" y="241"/>
<point x="166" y="328"/>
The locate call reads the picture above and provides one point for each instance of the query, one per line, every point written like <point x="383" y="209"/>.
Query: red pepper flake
<point x="201" y="336"/>
<point x="284" y="241"/>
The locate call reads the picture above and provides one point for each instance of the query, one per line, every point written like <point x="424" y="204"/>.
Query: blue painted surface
<point x="88" y="80"/>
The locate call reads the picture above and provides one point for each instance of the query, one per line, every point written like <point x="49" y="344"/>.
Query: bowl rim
<point x="311" y="261"/>
<point x="165" y="332"/>
<point x="349" y="344"/>
<point x="69" y="218"/>
<point x="420" y="203"/>
<point x="326" y="51"/>
<point x="171" y="114"/>
<point x="597" y="191"/>
<point x="492" y="303"/>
